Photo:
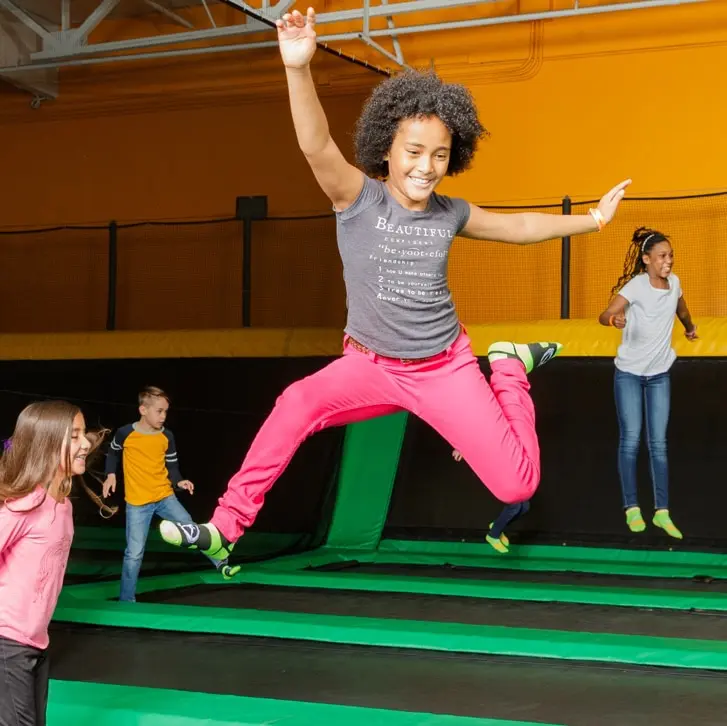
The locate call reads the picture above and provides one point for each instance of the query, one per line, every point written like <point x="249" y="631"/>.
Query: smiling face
<point x="418" y="160"/>
<point x="659" y="260"/>
<point x="78" y="449"/>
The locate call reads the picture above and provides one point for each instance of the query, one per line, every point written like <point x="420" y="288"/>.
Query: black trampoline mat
<point x="575" y="694"/>
<point x="547" y="577"/>
<point x="448" y="609"/>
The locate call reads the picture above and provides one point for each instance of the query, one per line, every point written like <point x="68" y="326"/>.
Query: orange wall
<point x="573" y="106"/>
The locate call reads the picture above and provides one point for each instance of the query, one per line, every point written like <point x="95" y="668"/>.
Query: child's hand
<point x="456" y="455"/>
<point x="109" y="485"/>
<point x="297" y="38"/>
<point x="691" y="334"/>
<point x="610" y="201"/>
<point x="619" y="321"/>
<point x="186" y="485"/>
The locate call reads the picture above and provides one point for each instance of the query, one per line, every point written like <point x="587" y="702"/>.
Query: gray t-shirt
<point x="395" y="271"/>
<point x="646" y="342"/>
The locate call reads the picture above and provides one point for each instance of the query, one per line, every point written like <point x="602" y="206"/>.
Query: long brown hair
<point x="33" y="455"/>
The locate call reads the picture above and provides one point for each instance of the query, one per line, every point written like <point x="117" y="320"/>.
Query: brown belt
<point x="361" y="348"/>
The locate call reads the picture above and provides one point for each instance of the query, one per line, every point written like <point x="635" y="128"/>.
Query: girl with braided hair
<point x="644" y="302"/>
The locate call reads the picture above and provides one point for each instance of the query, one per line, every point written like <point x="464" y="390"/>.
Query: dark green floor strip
<point x="268" y="574"/>
<point x="94" y="704"/>
<point x="644" y="563"/>
<point x="351" y="630"/>
<point x="483" y="589"/>
<point x="490" y="590"/>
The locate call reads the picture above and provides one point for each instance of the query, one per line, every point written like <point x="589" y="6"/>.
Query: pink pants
<point x="493" y="426"/>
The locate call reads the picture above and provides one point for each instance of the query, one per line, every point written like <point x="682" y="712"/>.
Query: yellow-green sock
<point x="634" y="520"/>
<point x="663" y="520"/>
<point x="496" y="544"/>
<point x="503" y="537"/>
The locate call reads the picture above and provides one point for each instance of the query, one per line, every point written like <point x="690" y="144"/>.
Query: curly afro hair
<point x="416" y="94"/>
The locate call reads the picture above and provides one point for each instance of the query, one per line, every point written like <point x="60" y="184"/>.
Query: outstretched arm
<point x="529" y="227"/>
<point x="340" y="180"/>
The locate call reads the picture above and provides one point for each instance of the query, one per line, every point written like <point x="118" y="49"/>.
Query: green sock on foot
<point x="531" y="355"/>
<point x="203" y="537"/>
<point x="496" y="544"/>
<point x="503" y="537"/>
<point x="634" y="520"/>
<point x="663" y="520"/>
<point x="229" y="571"/>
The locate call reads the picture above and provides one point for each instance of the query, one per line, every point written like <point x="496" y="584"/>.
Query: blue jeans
<point x="138" y="522"/>
<point x="634" y="396"/>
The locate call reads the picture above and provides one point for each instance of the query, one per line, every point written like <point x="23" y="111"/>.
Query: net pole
<point x="565" y="253"/>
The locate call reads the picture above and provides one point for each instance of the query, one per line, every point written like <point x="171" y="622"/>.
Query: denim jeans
<point x="138" y="522"/>
<point x="636" y="395"/>
<point x="23" y="684"/>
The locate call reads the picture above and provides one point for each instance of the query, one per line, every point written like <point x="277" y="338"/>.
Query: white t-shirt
<point x="646" y="348"/>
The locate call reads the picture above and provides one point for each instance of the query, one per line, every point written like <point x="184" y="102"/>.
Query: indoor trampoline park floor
<point x="409" y="633"/>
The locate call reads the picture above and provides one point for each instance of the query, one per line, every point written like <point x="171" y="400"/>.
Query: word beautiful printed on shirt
<point x="411" y="265"/>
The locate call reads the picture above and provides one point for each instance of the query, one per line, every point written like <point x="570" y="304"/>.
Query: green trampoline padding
<point x="643" y="563"/>
<point x="295" y="571"/>
<point x="365" y="482"/>
<point x="106" y="705"/>
<point x="639" y="597"/>
<point x="92" y="603"/>
<point x="396" y="633"/>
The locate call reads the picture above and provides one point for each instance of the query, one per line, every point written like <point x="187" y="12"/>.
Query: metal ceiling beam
<point x="27" y="21"/>
<point x="17" y="41"/>
<point x="529" y="17"/>
<point x="169" y="13"/>
<point x="365" y="36"/>
<point x="93" y="20"/>
<point x="394" y="38"/>
<point x="209" y="14"/>
<point x="70" y="50"/>
<point x="387" y="32"/>
<point x="65" y="15"/>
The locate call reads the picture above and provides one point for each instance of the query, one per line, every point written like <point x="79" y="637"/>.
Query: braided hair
<point x="642" y="243"/>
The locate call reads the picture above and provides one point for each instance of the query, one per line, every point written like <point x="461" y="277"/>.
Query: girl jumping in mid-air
<point x="645" y="300"/>
<point x="404" y="348"/>
<point x="48" y="448"/>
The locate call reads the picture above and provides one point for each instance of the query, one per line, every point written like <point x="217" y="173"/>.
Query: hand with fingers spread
<point x="610" y="201"/>
<point x="297" y="38"/>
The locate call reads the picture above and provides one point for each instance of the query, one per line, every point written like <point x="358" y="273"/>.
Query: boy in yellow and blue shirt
<point x="148" y="453"/>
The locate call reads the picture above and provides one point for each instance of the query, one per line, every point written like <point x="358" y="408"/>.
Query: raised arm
<point x="529" y="227"/>
<point x="341" y="181"/>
